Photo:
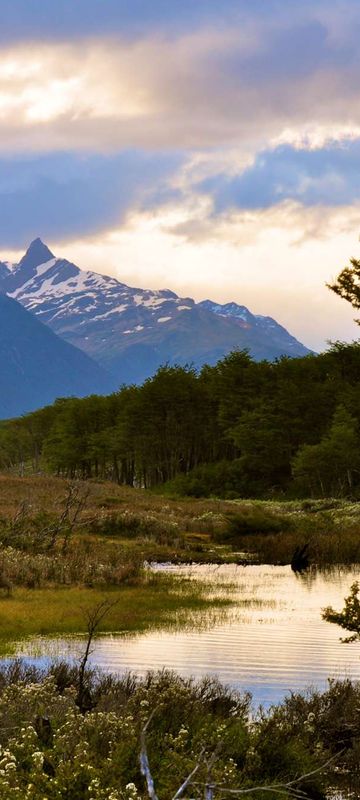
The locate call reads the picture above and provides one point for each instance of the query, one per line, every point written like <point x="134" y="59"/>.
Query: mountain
<point x="36" y="366"/>
<point x="257" y="324"/>
<point x="131" y="331"/>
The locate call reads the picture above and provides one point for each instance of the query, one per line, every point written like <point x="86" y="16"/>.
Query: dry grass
<point x="154" y="527"/>
<point x="48" y="492"/>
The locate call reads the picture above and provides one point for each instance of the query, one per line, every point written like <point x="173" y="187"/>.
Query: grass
<point x="46" y="585"/>
<point x="104" y="496"/>
<point x="134" y="525"/>
<point x="271" y="532"/>
<point x="162" y="602"/>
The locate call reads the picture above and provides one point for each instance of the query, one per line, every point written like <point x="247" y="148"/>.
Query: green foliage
<point x="331" y="467"/>
<point x="252" y="521"/>
<point x="347" y="284"/>
<point x="349" y="617"/>
<point x="49" y="749"/>
<point x="223" y="478"/>
<point x="239" y="428"/>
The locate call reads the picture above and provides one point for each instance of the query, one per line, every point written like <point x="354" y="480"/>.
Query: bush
<point x="223" y="479"/>
<point x="252" y="521"/>
<point x="136" y="526"/>
<point x="47" y="744"/>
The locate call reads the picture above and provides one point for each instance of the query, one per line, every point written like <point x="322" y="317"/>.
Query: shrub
<point x="135" y="526"/>
<point x="47" y="744"/>
<point x="251" y="521"/>
<point x="223" y="479"/>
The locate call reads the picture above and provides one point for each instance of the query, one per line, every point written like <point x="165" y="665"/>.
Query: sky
<point x="209" y="147"/>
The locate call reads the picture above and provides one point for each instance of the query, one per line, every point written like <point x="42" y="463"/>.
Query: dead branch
<point x="288" y="789"/>
<point x="280" y="788"/>
<point x="144" y="761"/>
<point x="94" y="617"/>
<point x="189" y="778"/>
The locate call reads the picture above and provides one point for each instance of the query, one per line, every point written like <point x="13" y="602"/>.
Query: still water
<point x="271" y="641"/>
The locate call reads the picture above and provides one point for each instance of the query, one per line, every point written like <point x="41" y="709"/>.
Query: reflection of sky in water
<point x="272" y="642"/>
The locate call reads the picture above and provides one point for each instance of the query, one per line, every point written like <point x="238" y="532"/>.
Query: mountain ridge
<point x="131" y="331"/>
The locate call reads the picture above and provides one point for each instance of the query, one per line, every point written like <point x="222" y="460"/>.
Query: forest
<point x="240" y="428"/>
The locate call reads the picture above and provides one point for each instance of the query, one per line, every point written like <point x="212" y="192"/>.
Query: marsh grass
<point x="160" y="601"/>
<point x="271" y="533"/>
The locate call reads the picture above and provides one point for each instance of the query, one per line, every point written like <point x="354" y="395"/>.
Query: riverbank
<point x="66" y="545"/>
<point x="149" y="527"/>
<point x="158" y="602"/>
<point x="271" y="639"/>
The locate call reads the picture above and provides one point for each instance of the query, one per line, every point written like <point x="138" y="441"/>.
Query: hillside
<point x="36" y="366"/>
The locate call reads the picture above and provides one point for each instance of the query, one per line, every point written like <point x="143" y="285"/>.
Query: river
<point x="270" y="642"/>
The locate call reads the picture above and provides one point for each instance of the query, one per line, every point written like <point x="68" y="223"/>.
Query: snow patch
<point x="42" y="268"/>
<point x="153" y="302"/>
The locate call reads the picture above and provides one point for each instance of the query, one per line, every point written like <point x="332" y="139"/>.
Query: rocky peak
<point x="36" y="254"/>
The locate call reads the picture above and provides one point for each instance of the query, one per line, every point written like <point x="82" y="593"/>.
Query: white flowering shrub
<point x="49" y="750"/>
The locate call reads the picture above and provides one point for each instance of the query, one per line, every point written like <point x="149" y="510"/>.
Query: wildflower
<point x="131" y="790"/>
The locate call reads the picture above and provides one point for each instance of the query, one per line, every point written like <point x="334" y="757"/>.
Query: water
<point x="272" y="640"/>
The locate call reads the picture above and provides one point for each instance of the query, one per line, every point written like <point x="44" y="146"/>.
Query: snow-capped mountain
<point x="132" y="331"/>
<point x="257" y="322"/>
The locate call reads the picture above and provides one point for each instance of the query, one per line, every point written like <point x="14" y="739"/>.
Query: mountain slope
<point x="36" y="366"/>
<point x="258" y="325"/>
<point x="132" y="331"/>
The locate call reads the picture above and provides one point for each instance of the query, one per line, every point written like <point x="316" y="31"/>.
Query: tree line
<point x="240" y="428"/>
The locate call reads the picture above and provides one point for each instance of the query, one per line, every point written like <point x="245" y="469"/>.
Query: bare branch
<point x="94" y="617"/>
<point x="317" y="770"/>
<point x="277" y="788"/>
<point x="144" y="762"/>
<point x="188" y="780"/>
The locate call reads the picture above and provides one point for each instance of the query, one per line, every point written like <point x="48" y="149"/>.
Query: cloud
<point x="260" y="259"/>
<point x="199" y="144"/>
<point x="39" y="19"/>
<point x="215" y="85"/>
<point x="248" y="228"/>
<point x="327" y="177"/>
<point x="63" y="196"/>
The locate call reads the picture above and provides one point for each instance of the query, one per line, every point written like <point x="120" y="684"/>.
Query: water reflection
<point x="272" y="641"/>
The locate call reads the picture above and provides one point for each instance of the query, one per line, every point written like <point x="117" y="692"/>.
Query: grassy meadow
<point x="64" y="547"/>
<point x="56" y="563"/>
